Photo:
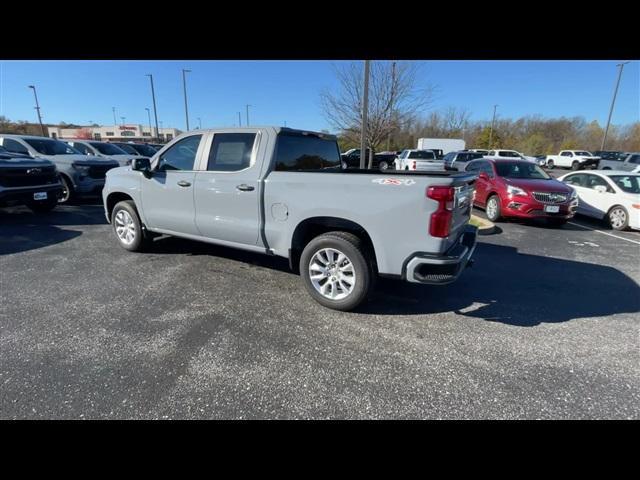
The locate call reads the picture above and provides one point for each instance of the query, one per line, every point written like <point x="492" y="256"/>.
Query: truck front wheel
<point x="127" y="226"/>
<point x="550" y="164"/>
<point x="336" y="270"/>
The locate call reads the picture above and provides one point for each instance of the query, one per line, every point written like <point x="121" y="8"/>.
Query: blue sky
<point x="279" y="91"/>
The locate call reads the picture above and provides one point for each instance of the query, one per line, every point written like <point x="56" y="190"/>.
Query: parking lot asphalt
<point x="545" y="325"/>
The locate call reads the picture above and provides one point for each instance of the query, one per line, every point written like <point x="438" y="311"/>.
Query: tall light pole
<point x="155" y="111"/>
<point x="239" y="120"/>
<point x="184" y="87"/>
<point x="492" y="122"/>
<point x="122" y="118"/>
<point x="365" y="108"/>
<point x="115" y="122"/>
<point x="33" y="87"/>
<point x="285" y="123"/>
<point x="199" y="122"/>
<point x="149" y="117"/>
<point x="613" y="101"/>
<point x="247" y="117"/>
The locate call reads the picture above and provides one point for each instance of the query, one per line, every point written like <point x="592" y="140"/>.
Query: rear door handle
<point x="245" y="188"/>
<point x="184" y="183"/>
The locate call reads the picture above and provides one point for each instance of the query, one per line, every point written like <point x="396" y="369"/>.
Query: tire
<point x="618" y="218"/>
<point x="550" y="164"/>
<point x="43" y="207"/>
<point x="325" y="250"/>
<point x="127" y="226"/>
<point x="493" y="209"/>
<point x="383" y="166"/>
<point x="67" y="194"/>
<point x="575" y="165"/>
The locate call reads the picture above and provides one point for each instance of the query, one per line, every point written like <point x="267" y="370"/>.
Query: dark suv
<point x="458" y="160"/>
<point x="28" y="181"/>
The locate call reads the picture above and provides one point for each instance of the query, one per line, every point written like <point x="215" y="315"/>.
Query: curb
<point x="486" y="227"/>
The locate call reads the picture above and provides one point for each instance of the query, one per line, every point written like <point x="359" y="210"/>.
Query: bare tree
<point x="395" y="97"/>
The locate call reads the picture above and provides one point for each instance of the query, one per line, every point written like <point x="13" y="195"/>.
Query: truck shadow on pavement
<point x="515" y="289"/>
<point x="22" y="230"/>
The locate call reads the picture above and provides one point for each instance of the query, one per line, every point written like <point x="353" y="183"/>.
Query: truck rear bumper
<point x="442" y="269"/>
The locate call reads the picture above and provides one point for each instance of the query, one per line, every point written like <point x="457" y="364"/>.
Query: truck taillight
<point x="413" y="167"/>
<point x="441" y="218"/>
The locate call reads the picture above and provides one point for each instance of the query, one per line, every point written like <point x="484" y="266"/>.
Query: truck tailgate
<point x="463" y="203"/>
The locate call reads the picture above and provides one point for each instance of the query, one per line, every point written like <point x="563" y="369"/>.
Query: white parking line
<point x="604" y="233"/>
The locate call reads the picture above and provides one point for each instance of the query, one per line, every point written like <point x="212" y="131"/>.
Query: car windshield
<point x="108" y="148"/>
<point x="520" y="170"/>
<point x="145" y="150"/>
<point x="627" y="183"/>
<point x="422" y="154"/>
<point x="128" y="149"/>
<point x="51" y="147"/>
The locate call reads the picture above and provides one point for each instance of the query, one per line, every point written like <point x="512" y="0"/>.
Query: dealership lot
<point x="545" y="325"/>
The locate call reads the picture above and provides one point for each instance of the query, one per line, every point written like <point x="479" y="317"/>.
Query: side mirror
<point x="483" y="176"/>
<point x="142" y="165"/>
<point x="600" y="189"/>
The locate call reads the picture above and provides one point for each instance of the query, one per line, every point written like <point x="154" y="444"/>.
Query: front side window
<point x="83" y="149"/>
<point x="181" y="155"/>
<point x="127" y="148"/>
<point x="635" y="159"/>
<point x="298" y="152"/>
<point x="486" y="168"/>
<point x="473" y="167"/>
<point x="231" y="152"/>
<point x="594" y="181"/>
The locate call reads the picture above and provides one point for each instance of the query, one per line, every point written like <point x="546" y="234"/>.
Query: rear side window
<point x="231" y="152"/>
<point x="306" y="153"/>
<point x="82" y="149"/>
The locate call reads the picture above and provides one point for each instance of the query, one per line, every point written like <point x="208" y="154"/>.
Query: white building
<point x="115" y="133"/>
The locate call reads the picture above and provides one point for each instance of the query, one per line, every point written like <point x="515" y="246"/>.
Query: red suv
<point x="518" y="188"/>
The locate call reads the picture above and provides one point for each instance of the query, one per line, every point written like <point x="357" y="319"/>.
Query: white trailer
<point x="445" y="144"/>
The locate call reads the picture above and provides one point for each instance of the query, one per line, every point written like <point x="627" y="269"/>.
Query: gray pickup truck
<point x="80" y="175"/>
<point x="281" y="191"/>
<point x="629" y="163"/>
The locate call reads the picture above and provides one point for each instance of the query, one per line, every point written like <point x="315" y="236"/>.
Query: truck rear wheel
<point x="127" y="226"/>
<point x="336" y="270"/>
<point x="67" y="193"/>
<point x="575" y="165"/>
<point x="550" y="164"/>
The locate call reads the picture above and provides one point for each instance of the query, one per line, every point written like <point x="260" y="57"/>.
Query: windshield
<point x="51" y="147"/>
<point x="627" y="183"/>
<point x="128" y="148"/>
<point x="520" y="170"/>
<point x="107" y="148"/>
<point x="145" y="150"/>
<point x="423" y="154"/>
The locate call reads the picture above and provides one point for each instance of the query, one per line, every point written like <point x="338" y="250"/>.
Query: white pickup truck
<point x="280" y="191"/>
<point x="573" y="159"/>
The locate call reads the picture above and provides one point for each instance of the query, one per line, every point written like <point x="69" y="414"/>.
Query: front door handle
<point x="245" y="188"/>
<point x="184" y="183"/>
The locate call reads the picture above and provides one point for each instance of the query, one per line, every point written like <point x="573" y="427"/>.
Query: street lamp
<point x="115" y="122"/>
<point x="155" y="111"/>
<point x="247" y="117"/>
<point x="33" y="87"/>
<point x="149" y="117"/>
<point x="365" y="108"/>
<point x="239" y="120"/>
<point x="492" y="122"/>
<point x="199" y="122"/>
<point x="122" y="118"/>
<point x="184" y="86"/>
<point x="613" y="101"/>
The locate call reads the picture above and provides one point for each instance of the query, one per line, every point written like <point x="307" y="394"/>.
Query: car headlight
<point x="511" y="190"/>
<point x="81" y="168"/>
